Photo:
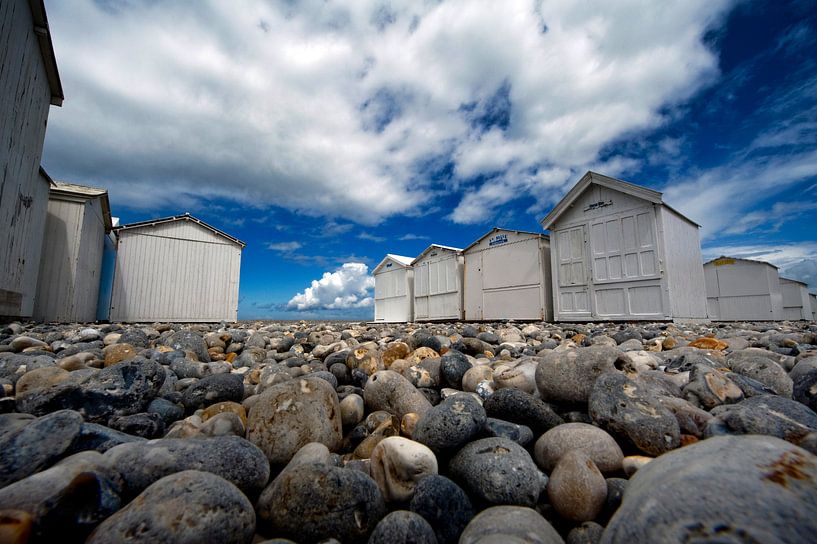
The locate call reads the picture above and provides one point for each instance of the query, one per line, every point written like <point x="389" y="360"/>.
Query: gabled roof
<point x="399" y="259"/>
<point x="43" y="33"/>
<point x="611" y="183"/>
<point x="185" y="217"/>
<point x="432" y="247"/>
<point x="739" y="259"/>
<point x="84" y="192"/>
<point x="498" y="229"/>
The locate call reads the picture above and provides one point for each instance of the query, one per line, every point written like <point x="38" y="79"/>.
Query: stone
<point x="520" y="434"/>
<point x="569" y="376"/>
<point x="135" y="337"/>
<point x="764" y="370"/>
<point x="522" y="408"/>
<point x="577" y="489"/>
<point x="14" y="366"/>
<point x="453" y="366"/>
<point x="770" y="415"/>
<point x="388" y="390"/>
<point x="224" y="407"/>
<point x="397" y="464"/>
<point x="521" y="377"/>
<point x="510" y="524"/>
<point x="709" y="344"/>
<point x="588" y="532"/>
<point x="691" y="419"/>
<point x="189" y="506"/>
<point x="632" y="463"/>
<point x="37" y="445"/>
<point x="224" y="424"/>
<point x="146" y="425"/>
<point x="709" y="387"/>
<point x="292" y="414"/>
<point x="99" y="438"/>
<point x="444" y="505"/>
<point x="67" y="500"/>
<point x="230" y="457"/>
<point x="477" y="375"/>
<point x="450" y="424"/>
<point x="402" y="527"/>
<point x="25" y="342"/>
<point x="497" y="471"/>
<point x="805" y="389"/>
<point x="597" y="444"/>
<point x="352" y="410"/>
<point x="394" y="351"/>
<point x="15" y="526"/>
<point x="188" y="341"/>
<point x="723" y="489"/>
<point x="364" y="359"/>
<point x="116" y="353"/>
<point x="312" y="502"/>
<point x="214" y="389"/>
<point x="121" y="389"/>
<point x="626" y="408"/>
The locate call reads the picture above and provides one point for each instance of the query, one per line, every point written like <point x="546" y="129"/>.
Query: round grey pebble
<point x="444" y="504"/>
<point x="511" y="524"/>
<point x="451" y="423"/>
<point x="403" y="527"/>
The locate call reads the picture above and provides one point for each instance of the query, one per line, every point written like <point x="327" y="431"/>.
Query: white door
<point x="421" y="291"/>
<point x="572" y="272"/>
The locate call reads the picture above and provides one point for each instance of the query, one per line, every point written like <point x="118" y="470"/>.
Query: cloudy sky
<point x="327" y="133"/>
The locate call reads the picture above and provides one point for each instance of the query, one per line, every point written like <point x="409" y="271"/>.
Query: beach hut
<point x="507" y="276"/>
<point x="619" y="252"/>
<point x="438" y="283"/>
<point x="29" y="85"/>
<point x="743" y="290"/>
<point x="796" y="303"/>
<point x="394" y="290"/>
<point x="175" y="269"/>
<point x="813" y="299"/>
<point x="78" y="220"/>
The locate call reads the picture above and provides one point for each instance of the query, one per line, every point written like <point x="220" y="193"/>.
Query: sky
<point x="325" y="133"/>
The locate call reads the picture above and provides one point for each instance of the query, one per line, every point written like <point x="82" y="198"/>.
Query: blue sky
<point x="326" y="134"/>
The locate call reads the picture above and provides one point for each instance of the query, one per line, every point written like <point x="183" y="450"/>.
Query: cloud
<point x="340" y="109"/>
<point x="285" y="247"/>
<point x="411" y="236"/>
<point x="371" y="237"/>
<point x="350" y="286"/>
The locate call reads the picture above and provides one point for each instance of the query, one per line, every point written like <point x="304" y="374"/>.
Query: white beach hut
<point x="79" y="218"/>
<point x="507" y="276"/>
<point x="743" y="290"/>
<point x="796" y="303"/>
<point x="175" y="269"/>
<point x="394" y="289"/>
<point x="29" y="85"/>
<point x="619" y="252"/>
<point x="813" y="299"/>
<point x="438" y="283"/>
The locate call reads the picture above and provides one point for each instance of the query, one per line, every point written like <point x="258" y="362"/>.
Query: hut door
<point x="572" y="271"/>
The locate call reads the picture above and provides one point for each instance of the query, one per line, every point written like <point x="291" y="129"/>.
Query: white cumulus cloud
<point x="350" y="286"/>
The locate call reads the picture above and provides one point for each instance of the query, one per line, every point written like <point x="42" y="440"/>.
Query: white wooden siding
<point x="813" y="300"/>
<point x="796" y="304"/>
<point x="68" y="286"/>
<point x="393" y="293"/>
<point x="438" y="286"/>
<point x="686" y="286"/>
<point x="508" y="280"/>
<point x="164" y="275"/>
<point x="25" y="97"/>
<point x="742" y="290"/>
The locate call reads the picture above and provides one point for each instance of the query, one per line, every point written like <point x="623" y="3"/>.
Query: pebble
<point x="444" y="504"/>
<point x="626" y="408"/>
<point x="568" y="376"/>
<point x="450" y="424"/>
<point x="230" y="457"/>
<point x="397" y="464"/>
<point x="497" y="471"/>
<point x="191" y="505"/>
<point x="312" y="502"/>
<point x="512" y="524"/>
<point x="619" y="390"/>
<point x="403" y="527"/>
<point x="597" y="444"/>
<point x="294" y="413"/>
<point x="723" y="489"/>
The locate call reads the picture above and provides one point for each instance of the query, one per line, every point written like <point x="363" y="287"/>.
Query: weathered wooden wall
<point x="25" y="96"/>
<point x="177" y="271"/>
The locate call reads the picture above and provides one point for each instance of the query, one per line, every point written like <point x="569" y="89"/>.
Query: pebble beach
<point x="426" y="433"/>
